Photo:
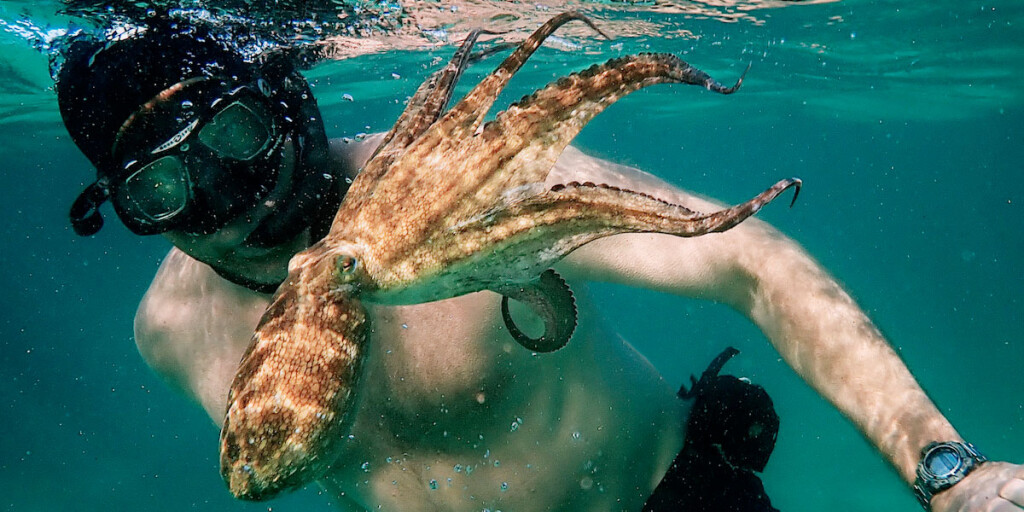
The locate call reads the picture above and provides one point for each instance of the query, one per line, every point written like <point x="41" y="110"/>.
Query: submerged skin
<point x="588" y="414"/>
<point x="427" y="399"/>
<point x="447" y="206"/>
<point x="192" y="328"/>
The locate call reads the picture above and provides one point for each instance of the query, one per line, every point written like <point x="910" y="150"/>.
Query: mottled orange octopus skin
<point x="446" y="206"/>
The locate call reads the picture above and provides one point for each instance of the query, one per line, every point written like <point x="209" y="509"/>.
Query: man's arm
<point x="812" y="322"/>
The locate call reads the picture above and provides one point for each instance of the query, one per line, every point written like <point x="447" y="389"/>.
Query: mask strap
<point x="85" y="211"/>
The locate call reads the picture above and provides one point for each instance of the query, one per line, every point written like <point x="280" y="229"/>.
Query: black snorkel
<point x="85" y="215"/>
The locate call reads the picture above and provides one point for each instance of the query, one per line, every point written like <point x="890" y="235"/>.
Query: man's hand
<point x="993" y="487"/>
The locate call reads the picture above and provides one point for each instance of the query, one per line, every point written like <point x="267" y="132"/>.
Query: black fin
<point x="551" y="299"/>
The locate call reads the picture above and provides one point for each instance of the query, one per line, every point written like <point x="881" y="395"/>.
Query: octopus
<point x="448" y="205"/>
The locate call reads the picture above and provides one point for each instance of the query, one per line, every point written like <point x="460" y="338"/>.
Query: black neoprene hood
<point x="102" y="83"/>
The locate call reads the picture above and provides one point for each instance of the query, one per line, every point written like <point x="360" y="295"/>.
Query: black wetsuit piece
<point x="730" y="435"/>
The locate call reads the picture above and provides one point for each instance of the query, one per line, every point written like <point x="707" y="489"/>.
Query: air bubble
<point x="586" y="483"/>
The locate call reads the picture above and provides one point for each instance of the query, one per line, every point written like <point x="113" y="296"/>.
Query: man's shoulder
<point x="183" y="285"/>
<point x="192" y="327"/>
<point x="352" y="154"/>
<point x="180" y="273"/>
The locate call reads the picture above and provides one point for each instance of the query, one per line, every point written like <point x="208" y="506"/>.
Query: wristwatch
<point x="942" y="466"/>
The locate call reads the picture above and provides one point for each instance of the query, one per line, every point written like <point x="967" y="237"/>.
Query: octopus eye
<point x="345" y="266"/>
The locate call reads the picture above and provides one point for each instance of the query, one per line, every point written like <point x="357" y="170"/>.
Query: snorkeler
<point x="229" y="161"/>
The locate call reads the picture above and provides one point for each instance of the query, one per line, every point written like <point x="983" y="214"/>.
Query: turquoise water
<point x="906" y="124"/>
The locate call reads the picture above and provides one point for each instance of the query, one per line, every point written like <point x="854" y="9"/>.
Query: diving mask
<point x="194" y="157"/>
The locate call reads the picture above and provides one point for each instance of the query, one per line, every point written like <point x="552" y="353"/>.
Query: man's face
<point x="226" y="248"/>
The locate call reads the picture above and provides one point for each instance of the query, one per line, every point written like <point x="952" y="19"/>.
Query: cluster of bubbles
<point x="253" y="26"/>
<point x="295" y="20"/>
<point x="249" y="26"/>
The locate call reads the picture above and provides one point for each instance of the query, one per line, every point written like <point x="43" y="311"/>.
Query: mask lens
<point x="237" y="132"/>
<point x="157" y="191"/>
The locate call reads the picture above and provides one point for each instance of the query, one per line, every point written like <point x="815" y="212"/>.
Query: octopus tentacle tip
<point x="577" y="15"/>
<point x="736" y="86"/>
<point x="549" y="297"/>
<point x="797" y="184"/>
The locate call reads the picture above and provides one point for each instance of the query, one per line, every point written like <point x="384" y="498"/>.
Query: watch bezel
<point x="928" y="483"/>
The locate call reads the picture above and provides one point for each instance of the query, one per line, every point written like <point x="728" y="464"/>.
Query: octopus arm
<point x="423" y="109"/>
<point x="431" y="98"/>
<point x="466" y="115"/>
<point x="538" y="128"/>
<point x="565" y="217"/>
<point x="550" y="298"/>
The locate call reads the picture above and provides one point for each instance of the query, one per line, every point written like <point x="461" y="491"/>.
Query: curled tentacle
<point x="551" y="299"/>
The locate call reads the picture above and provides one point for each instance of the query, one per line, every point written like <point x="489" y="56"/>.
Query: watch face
<point x="943" y="461"/>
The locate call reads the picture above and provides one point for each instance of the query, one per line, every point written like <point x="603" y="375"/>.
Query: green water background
<point x="906" y="124"/>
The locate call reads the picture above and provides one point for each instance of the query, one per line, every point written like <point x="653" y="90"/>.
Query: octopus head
<point x="290" y="404"/>
<point x="345" y="268"/>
